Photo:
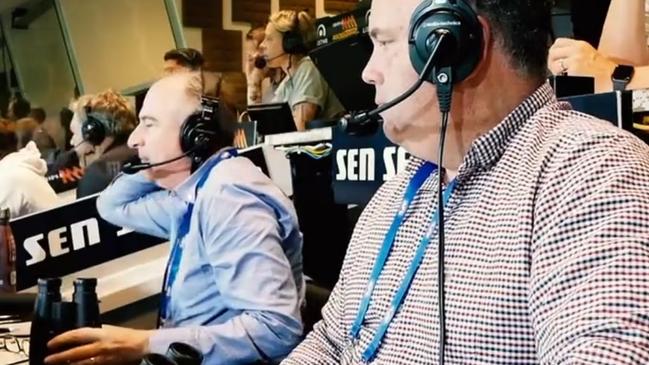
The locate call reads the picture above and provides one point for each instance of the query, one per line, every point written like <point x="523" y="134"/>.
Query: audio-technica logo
<point x="447" y="23"/>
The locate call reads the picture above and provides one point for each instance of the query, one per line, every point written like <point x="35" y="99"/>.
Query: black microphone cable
<point x="443" y="77"/>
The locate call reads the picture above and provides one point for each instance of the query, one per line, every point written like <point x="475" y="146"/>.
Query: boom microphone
<point x="261" y="62"/>
<point x="366" y="122"/>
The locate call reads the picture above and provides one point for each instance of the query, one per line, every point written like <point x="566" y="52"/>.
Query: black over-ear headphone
<point x="199" y="134"/>
<point x="200" y="130"/>
<point x="93" y="130"/>
<point x="292" y="40"/>
<point x="456" y="19"/>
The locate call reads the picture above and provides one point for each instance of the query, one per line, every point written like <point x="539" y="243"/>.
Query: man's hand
<point x="579" y="58"/>
<point x="106" y="345"/>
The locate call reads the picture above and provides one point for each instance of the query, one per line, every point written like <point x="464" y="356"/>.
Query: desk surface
<point x="310" y="136"/>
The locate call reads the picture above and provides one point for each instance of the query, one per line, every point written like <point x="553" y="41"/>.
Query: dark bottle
<point x="85" y="297"/>
<point x="64" y="318"/>
<point x="184" y="354"/>
<point x="157" y="359"/>
<point x="7" y="254"/>
<point x="41" y="329"/>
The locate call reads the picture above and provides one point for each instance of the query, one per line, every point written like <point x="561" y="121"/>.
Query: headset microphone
<point x="261" y="62"/>
<point x="367" y="122"/>
<point x="135" y="165"/>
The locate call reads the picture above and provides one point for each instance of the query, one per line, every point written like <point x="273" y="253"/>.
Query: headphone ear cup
<point x="292" y="43"/>
<point x="460" y="22"/>
<point x="93" y="131"/>
<point x="188" y="134"/>
<point x="292" y="40"/>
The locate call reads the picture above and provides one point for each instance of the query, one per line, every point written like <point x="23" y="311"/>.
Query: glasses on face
<point x="15" y="344"/>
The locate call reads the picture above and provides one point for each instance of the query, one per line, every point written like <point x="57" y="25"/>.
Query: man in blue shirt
<point x="234" y="282"/>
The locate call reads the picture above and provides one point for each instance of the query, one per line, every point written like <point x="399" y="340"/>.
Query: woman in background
<point x="286" y="44"/>
<point x="622" y="49"/>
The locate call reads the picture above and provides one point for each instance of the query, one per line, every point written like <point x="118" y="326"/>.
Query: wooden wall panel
<point x="255" y="12"/>
<point x="299" y="5"/>
<point x="222" y="50"/>
<point x="202" y="13"/>
<point x="339" y="6"/>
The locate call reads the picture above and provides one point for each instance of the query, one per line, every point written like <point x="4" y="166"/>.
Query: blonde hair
<point x="285" y="21"/>
<point x="110" y="106"/>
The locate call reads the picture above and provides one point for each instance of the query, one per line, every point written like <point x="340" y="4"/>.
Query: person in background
<point x="215" y="84"/>
<point x="23" y="186"/>
<point x="286" y="43"/>
<point x="100" y="127"/>
<point x="53" y="131"/>
<point x="8" y="140"/>
<point x="38" y="114"/>
<point x="19" y="107"/>
<point x="28" y="129"/>
<point x="182" y="60"/>
<point x="237" y="283"/>
<point x="622" y="58"/>
<point x="262" y="80"/>
<point x="65" y="118"/>
<point x="546" y="234"/>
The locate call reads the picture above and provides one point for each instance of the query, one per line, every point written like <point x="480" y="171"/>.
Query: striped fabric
<point x="547" y="249"/>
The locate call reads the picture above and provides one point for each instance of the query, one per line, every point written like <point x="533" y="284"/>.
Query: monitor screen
<point x="272" y="118"/>
<point x="341" y="63"/>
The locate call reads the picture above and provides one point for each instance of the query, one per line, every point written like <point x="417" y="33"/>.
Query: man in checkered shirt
<point x="547" y="231"/>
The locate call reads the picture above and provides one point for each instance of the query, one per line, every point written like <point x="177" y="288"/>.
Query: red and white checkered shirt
<point x="547" y="253"/>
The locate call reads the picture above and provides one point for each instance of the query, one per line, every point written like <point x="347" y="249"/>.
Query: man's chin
<point x="392" y="132"/>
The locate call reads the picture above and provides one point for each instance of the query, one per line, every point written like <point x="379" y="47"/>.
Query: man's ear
<point x="487" y="37"/>
<point x="487" y="48"/>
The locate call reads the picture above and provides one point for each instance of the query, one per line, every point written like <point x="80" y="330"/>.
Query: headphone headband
<point x="458" y="20"/>
<point x="292" y="40"/>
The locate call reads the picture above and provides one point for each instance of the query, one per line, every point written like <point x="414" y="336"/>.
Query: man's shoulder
<point x="239" y="175"/>
<point x="576" y="147"/>
<point x="237" y="170"/>
<point x="570" y="133"/>
<point x="306" y="70"/>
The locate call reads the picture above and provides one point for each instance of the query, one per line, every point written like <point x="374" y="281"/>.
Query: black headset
<point x="93" y="130"/>
<point x="292" y="39"/>
<point x="201" y="129"/>
<point x="459" y="22"/>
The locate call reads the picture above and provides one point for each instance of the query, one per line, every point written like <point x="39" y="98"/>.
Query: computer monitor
<point x="273" y="118"/>
<point x="341" y="64"/>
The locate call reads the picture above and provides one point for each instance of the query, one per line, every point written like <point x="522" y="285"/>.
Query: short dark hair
<point x="523" y="28"/>
<point x="19" y="107"/>
<point x="38" y="114"/>
<point x="186" y="57"/>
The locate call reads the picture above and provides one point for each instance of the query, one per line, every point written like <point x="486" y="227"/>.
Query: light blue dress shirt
<point x="239" y="286"/>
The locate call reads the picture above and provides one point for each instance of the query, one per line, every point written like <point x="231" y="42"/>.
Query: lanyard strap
<point x="415" y="184"/>
<point x="177" y="250"/>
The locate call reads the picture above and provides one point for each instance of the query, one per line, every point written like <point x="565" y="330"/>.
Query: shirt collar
<point x="188" y="189"/>
<point x="487" y="149"/>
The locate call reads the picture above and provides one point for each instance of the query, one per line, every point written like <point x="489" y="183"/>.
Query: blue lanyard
<point x="177" y="250"/>
<point x="413" y="187"/>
